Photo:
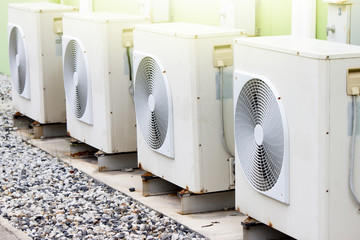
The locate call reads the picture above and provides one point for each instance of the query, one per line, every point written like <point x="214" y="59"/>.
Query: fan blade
<point x="13" y="45"/>
<point x="148" y="74"/>
<point x="82" y="80"/>
<point x="161" y="104"/>
<point x="144" y="119"/>
<point x="247" y="162"/>
<point x="78" y="104"/>
<point x="74" y="54"/>
<point x="155" y="138"/>
<point x="22" y="63"/>
<point x="76" y="78"/>
<point x="273" y="131"/>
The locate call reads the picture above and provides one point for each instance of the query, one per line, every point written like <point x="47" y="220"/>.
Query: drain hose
<point x="221" y="73"/>
<point x="352" y="153"/>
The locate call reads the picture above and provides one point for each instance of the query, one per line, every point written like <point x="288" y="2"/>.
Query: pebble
<point x="48" y="199"/>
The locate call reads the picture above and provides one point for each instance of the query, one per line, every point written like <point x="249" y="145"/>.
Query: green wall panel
<point x="263" y="22"/>
<point x="196" y="11"/>
<point x="123" y="6"/>
<point x="321" y="19"/>
<point x="273" y="17"/>
<point x="70" y="2"/>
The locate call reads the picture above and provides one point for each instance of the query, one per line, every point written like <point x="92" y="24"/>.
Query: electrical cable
<point x="131" y="87"/>
<point x="221" y="73"/>
<point x="352" y="153"/>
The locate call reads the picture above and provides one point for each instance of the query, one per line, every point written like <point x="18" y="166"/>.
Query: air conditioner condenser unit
<point x="177" y="103"/>
<point x="35" y="57"/>
<point x="100" y="110"/>
<point x="293" y="121"/>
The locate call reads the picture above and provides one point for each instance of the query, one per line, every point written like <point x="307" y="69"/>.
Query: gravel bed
<point x="5" y="89"/>
<point x="48" y="199"/>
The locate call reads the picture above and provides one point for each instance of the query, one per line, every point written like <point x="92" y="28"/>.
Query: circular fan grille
<point x="151" y="102"/>
<point x="259" y="134"/>
<point x="17" y="58"/>
<point x="76" y="78"/>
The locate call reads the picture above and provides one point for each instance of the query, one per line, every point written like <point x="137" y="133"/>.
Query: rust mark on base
<point x="140" y="166"/>
<point x="102" y="169"/>
<point x="82" y="154"/>
<point x="238" y="209"/>
<point x="73" y="140"/>
<point x="17" y="115"/>
<point x="270" y="224"/>
<point x="35" y="123"/>
<point x="147" y="174"/>
<point x="184" y="191"/>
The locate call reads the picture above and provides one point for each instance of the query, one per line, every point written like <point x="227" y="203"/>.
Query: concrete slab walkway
<point x="8" y="232"/>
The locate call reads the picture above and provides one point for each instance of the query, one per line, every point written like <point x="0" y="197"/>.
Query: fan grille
<point x="17" y="58"/>
<point x="76" y="78"/>
<point x="259" y="134"/>
<point x="151" y="102"/>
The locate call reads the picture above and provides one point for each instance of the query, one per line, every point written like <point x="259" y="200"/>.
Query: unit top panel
<point x="104" y="17"/>
<point x="306" y="47"/>
<point x="189" y="30"/>
<point x="40" y="7"/>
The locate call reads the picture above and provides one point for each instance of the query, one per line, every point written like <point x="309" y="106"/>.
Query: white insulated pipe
<point x="303" y="18"/>
<point x="85" y="6"/>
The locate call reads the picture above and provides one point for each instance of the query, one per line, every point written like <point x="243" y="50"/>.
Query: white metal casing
<point x="310" y="76"/>
<point x="46" y="103"/>
<point x="186" y="52"/>
<point x="113" y="127"/>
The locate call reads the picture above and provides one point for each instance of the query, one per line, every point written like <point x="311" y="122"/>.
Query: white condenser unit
<point x="35" y="57"/>
<point x="177" y="103"/>
<point x="293" y="121"/>
<point x="97" y="48"/>
<point x="343" y="22"/>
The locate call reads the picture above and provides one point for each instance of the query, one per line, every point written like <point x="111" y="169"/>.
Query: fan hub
<point x="259" y="135"/>
<point x="76" y="79"/>
<point x="151" y="102"/>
